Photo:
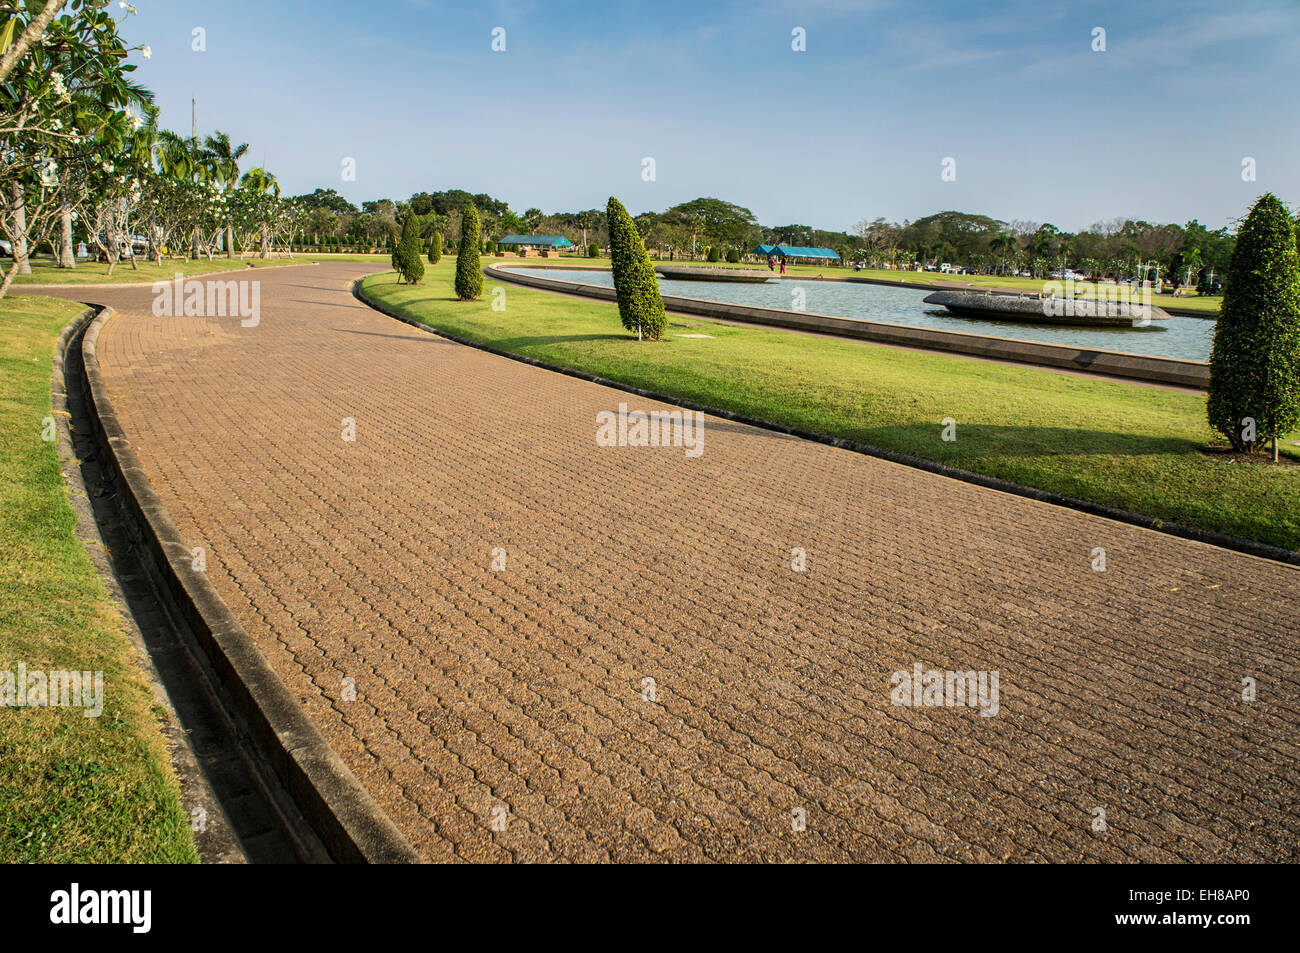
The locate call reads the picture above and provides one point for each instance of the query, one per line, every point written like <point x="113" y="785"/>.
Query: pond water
<point x="1183" y="338"/>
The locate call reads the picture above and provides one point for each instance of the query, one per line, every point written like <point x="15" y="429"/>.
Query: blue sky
<point x="857" y="125"/>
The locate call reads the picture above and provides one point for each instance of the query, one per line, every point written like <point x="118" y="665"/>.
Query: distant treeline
<point x="1119" y="248"/>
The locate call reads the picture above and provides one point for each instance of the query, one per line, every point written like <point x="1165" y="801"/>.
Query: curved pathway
<point x="505" y="713"/>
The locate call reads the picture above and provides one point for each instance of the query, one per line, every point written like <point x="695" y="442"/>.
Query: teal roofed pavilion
<point x="536" y="241"/>
<point x="542" y="245"/>
<point x="811" y="254"/>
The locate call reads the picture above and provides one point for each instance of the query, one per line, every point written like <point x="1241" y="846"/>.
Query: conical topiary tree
<point x="1255" y="361"/>
<point x="640" y="307"/>
<point x="412" y="266"/>
<point x="435" y="248"/>
<point x="469" y="276"/>
<point x="395" y="251"/>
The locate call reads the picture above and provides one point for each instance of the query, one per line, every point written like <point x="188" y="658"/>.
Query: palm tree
<point x="180" y="158"/>
<point x="261" y="181"/>
<point x="223" y="159"/>
<point x="1001" y="243"/>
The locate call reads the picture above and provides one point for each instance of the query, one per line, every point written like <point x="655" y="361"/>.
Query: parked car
<point x="6" y="249"/>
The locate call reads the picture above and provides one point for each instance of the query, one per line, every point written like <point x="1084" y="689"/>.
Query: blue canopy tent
<point x="811" y="254"/>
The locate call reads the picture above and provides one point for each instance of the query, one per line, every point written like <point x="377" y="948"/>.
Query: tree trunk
<point x="67" y="254"/>
<point x="266" y="243"/>
<point x="9" y="279"/>
<point x="20" y="229"/>
<point x="230" y="241"/>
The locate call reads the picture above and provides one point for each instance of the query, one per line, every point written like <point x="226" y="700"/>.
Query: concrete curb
<point x="217" y="843"/>
<point x="339" y="809"/>
<point x="1157" y="370"/>
<point x="1248" y="546"/>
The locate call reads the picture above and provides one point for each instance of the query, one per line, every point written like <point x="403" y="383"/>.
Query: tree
<point x="469" y="277"/>
<point x="395" y="250"/>
<point x="1255" y="360"/>
<point x="639" y="303"/>
<point x="264" y="183"/>
<point x="1002" y="244"/>
<point x="412" y="266"/>
<point x="435" y="248"/>
<point x="33" y="31"/>
<point x="66" y="91"/>
<point x="721" y="221"/>
<point x="222" y="156"/>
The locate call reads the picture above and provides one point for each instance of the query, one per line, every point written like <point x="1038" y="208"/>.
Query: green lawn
<point x="72" y="789"/>
<point x="1109" y="442"/>
<point x="46" y="272"/>
<point x="1193" y="302"/>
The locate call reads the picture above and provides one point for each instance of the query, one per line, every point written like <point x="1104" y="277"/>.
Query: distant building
<point x="543" y="245"/>
<point x="796" y="253"/>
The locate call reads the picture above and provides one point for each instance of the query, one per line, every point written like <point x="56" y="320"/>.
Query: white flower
<point x="129" y="8"/>
<point x="108" y="167"/>
<point x="146" y="52"/>
<point x="56" y="125"/>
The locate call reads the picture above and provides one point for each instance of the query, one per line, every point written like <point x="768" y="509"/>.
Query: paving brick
<point x="523" y="688"/>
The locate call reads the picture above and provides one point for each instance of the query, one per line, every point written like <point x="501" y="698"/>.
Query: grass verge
<point x="1108" y="442"/>
<point x="73" y="789"/>
<point x="46" y="272"/>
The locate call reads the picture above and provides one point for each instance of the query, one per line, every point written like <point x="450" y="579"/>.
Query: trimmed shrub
<point x="469" y="274"/>
<point x="435" y="248"/>
<point x="1255" y="361"/>
<point x="395" y="251"/>
<point x="593" y="250"/>
<point x="640" y="307"/>
<point x="733" y="255"/>
<point x="412" y="265"/>
<point x="713" y="253"/>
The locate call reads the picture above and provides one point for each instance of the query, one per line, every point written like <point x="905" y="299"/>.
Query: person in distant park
<point x="771" y="263"/>
<point x="783" y="265"/>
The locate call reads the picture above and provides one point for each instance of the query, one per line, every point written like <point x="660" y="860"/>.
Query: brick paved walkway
<point x="519" y="694"/>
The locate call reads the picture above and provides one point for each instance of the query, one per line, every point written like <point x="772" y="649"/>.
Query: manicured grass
<point x="46" y="272"/>
<point x="1209" y="306"/>
<point x="72" y="789"/>
<point x="1109" y="442"/>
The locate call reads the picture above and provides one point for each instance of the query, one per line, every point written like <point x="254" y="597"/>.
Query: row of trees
<point x="1120" y="248"/>
<point x="82" y="158"/>
<point x="714" y="228"/>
